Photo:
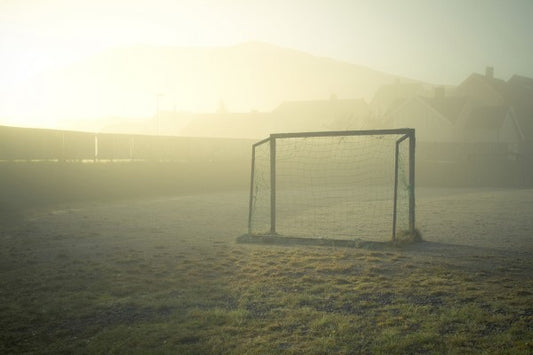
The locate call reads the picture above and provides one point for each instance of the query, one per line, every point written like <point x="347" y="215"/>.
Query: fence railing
<point x="31" y="144"/>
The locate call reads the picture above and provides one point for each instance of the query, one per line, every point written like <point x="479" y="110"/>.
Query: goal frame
<point x="404" y="133"/>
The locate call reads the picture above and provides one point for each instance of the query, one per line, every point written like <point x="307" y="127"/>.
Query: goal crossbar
<point x="375" y="132"/>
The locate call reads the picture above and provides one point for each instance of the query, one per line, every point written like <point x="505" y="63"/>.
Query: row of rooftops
<point x="479" y="102"/>
<point x="482" y="97"/>
<point x="476" y="88"/>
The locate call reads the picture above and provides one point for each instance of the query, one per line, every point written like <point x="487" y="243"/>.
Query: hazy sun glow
<point x="438" y="42"/>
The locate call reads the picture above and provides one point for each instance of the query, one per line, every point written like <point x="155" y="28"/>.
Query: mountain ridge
<point x="135" y="81"/>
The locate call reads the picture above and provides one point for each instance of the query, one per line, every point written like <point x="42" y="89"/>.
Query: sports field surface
<point x="167" y="275"/>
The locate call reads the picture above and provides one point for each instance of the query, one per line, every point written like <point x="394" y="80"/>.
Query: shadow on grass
<point x="323" y="242"/>
<point x="420" y="247"/>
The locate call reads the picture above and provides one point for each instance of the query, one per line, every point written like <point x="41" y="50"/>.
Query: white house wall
<point x="510" y="130"/>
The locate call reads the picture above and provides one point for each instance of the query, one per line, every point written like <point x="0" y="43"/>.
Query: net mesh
<point x="332" y="187"/>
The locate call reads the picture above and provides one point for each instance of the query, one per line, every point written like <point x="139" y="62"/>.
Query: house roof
<point x="399" y="89"/>
<point x="314" y="107"/>
<point x="486" y="117"/>
<point x="520" y="91"/>
<point x="476" y="84"/>
<point x="450" y="107"/>
<point x="388" y="96"/>
<point x="521" y="81"/>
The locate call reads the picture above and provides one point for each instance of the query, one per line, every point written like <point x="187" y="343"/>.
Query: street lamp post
<point x="157" y="111"/>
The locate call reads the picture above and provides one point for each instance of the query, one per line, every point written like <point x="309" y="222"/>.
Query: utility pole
<point x="159" y="95"/>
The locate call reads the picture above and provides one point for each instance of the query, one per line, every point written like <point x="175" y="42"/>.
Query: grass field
<point x="167" y="276"/>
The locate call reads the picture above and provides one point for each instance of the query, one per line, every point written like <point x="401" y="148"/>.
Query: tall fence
<point x="29" y="144"/>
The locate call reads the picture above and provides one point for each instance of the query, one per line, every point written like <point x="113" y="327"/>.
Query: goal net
<point x="341" y="185"/>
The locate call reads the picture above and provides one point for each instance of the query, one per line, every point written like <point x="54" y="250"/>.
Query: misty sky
<point x="440" y="41"/>
<point x="436" y="41"/>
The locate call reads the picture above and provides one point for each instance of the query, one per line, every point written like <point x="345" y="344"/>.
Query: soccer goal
<point x="338" y="185"/>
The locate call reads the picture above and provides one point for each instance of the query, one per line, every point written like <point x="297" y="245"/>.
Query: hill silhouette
<point x="252" y="76"/>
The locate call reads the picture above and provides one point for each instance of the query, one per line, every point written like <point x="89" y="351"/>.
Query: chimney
<point x="439" y="92"/>
<point x="489" y="72"/>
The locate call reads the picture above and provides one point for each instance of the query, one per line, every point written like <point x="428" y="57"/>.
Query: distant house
<point x="388" y="96"/>
<point x="229" y="125"/>
<point x="513" y="106"/>
<point x="320" y="115"/>
<point x="483" y="89"/>
<point x="480" y="133"/>
<point x="432" y="117"/>
<point x="290" y="116"/>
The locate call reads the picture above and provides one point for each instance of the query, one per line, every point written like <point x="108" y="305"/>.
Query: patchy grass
<point x="101" y="294"/>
